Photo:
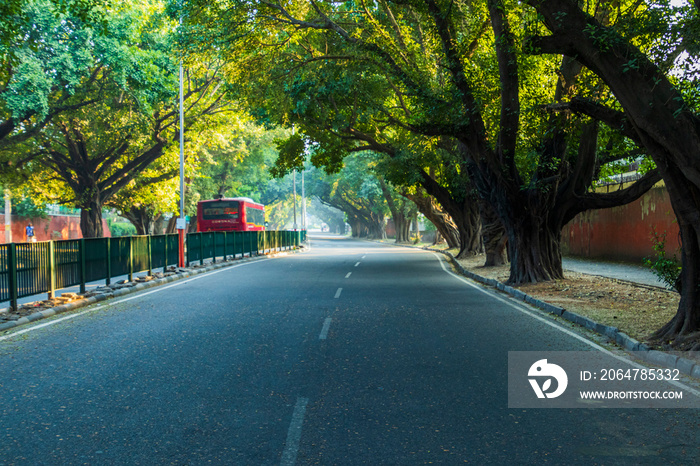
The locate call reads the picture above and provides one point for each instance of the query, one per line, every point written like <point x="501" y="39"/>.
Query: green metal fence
<point x="27" y="269"/>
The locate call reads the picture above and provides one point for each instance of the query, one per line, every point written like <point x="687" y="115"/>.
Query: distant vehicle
<point x="230" y="214"/>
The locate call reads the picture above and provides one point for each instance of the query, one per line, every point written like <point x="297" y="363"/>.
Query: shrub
<point x="668" y="269"/>
<point x="122" y="229"/>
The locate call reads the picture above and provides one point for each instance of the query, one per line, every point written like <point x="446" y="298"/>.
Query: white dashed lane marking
<point x="326" y="326"/>
<point x="291" y="447"/>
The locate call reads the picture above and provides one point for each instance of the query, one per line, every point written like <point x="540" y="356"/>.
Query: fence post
<point x="213" y="247"/>
<point x="225" y="248"/>
<point x="52" y="270"/>
<point x="150" y="259"/>
<point x="12" y="274"/>
<point x="81" y="252"/>
<point x="109" y="260"/>
<point x="131" y="258"/>
<point x="165" y="253"/>
<point x="201" y="249"/>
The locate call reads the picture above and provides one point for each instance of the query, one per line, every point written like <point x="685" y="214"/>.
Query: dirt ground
<point x="637" y="310"/>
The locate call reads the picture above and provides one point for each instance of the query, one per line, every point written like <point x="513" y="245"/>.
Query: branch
<point x="549" y="45"/>
<point x="594" y="200"/>
<point x="510" y="97"/>
<point x="615" y="119"/>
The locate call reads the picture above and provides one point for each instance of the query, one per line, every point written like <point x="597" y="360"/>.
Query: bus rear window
<point x="220" y="210"/>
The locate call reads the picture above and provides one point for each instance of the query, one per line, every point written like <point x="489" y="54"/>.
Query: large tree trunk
<point x="535" y="251"/>
<point x="91" y="219"/>
<point x="684" y="329"/>
<point x="141" y="219"/>
<point x="495" y="237"/>
<point x="377" y="227"/>
<point x="172" y="224"/>
<point x="429" y="207"/>
<point x="464" y="213"/>
<point x="159" y="225"/>
<point x="402" y="225"/>
<point x="468" y="221"/>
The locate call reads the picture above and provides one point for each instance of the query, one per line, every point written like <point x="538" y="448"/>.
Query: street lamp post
<point x="294" y="188"/>
<point x="8" y="217"/>
<point x="303" y="203"/>
<point x="181" y="223"/>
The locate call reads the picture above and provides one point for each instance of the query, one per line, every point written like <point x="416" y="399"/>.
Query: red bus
<point x="230" y="214"/>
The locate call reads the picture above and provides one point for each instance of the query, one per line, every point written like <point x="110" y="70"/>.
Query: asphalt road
<point x="350" y="353"/>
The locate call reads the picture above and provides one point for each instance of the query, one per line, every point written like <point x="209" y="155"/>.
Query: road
<point x="350" y="353"/>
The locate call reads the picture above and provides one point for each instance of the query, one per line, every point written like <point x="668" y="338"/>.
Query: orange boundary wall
<point x="623" y="233"/>
<point x="45" y="229"/>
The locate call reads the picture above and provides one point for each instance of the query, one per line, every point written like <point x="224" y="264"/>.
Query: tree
<point x="536" y="182"/>
<point x="659" y="109"/>
<point x="124" y="118"/>
<point x="431" y="209"/>
<point x="334" y="218"/>
<point x="43" y="54"/>
<point x="402" y="211"/>
<point x="355" y="191"/>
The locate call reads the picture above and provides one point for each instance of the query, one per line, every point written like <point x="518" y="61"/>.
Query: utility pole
<point x="8" y="217"/>
<point x="294" y="184"/>
<point x="303" y="203"/>
<point x="181" y="222"/>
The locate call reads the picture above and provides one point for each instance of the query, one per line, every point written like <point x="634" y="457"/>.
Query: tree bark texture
<point x="91" y="219"/>
<point x="494" y="235"/>
<point x="431" y="209"/>
<point x="463" y="212"/>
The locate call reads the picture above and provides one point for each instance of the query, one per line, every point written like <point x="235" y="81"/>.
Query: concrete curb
<point x="640" y="350"/>
<point x="63" y="308"/>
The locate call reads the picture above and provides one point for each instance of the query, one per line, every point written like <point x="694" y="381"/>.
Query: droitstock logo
<point x="544" y="372"/>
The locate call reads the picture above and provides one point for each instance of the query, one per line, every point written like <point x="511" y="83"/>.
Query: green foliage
<point x="291" y="156"/>
<point x="121" y="228"/>
<point x="106" y="104"/>
<point x="25" y="207"/>
<point x="667" y="269"/>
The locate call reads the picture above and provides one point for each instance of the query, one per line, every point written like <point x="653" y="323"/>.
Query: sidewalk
<point x="621" y="271"/>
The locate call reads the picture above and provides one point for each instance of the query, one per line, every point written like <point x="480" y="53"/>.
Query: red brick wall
<point x="53" y="227"/>
<point x="623" y="233"/>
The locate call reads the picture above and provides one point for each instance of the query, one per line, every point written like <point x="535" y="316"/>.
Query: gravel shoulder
<point x="637" y="310"/>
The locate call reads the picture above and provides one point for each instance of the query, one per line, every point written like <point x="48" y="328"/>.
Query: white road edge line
<point x="137" y="295"/>
<point x="337" y="293"/>
<point x="348" y="275"/>
<point x="326" y="326"/>
<point x="555" y="325"/>
<point x="291" y="446"/>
